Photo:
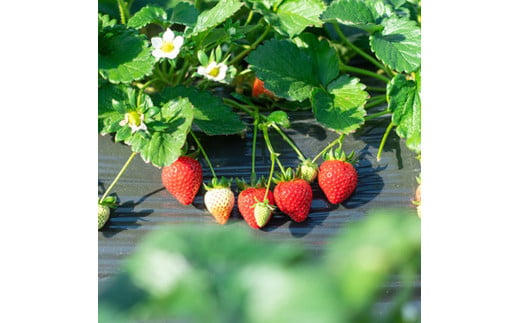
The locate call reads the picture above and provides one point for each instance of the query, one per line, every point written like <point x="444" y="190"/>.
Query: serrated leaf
<point x="185" y="14"/>
<point x="398" y="45"/>
<point x="342" y="107"/>
<point x="279" y="117"/>
<point x="163" y="148"/>
<point x="124" y="55"/>
<point x="350" y="12"/>
<point x="405" y="104"/>
<point x="149" y="14"/>
<point x="292" y="72"/>
<point x="293" y="16"/>
<point x="108" y="117"/>
<point x="210" y="114"/>
<point x="105" y="21"/>
<point x="216" y="15"/>
<point x="326" y="60"/>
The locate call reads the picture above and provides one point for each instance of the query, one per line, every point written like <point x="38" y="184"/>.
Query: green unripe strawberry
<point x="102" y="215"/>
<point x="263" y="212"/>
<point x="308" y="170"/>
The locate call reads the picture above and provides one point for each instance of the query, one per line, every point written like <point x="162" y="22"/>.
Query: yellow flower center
<point x="214" y="71"/>
<point x="167" y="46"/>
<point x="134" y="118"/>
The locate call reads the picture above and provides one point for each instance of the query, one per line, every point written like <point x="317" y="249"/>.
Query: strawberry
<point x="308" y="170"/>
<point x="183" y="179"/>
<point x="219" y="199"/>
<point x="260" y="90"/>
<point x="293" y="196"/>
<point x="337" y="177"/>
<point x="247" y="199"/>
<point x="103" y="213"/>
<point x="263" y="212"/>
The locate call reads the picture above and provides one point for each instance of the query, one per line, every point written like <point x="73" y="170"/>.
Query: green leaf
<point x="149" y="15"/>
<point x="292" y="72"/>
<point x="279" y="117"/>
<point x="405" y="104"/>
<point x="211" y="115"/>
<point x="351" y="12"/>
<point x="185" y="14"/>
<point x="398" y="45"/>
<point x="105" y="21"/>
<point x="325" y="58"/>
<point x="216" y="15"/>
<point x="109" y="96"/>
<point x="293" y="16"/>
<point x="164" y="148"/>
<point x="123" y="54"/>
<point x="342" y="108"/>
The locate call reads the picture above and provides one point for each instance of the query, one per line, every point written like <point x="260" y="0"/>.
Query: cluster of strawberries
<point x="292" y="195"/>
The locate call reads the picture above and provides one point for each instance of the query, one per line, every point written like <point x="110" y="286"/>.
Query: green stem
<point x="357" y="49"/>
<point x="121" y="6"/>
<point x="378" y="114"/>
<point x="271" y="171"/>
<point x="253" y="157"/>
<point x="249" y="18"/>
<point x="125" y="166"/>
<point x="289" y="141"/>
<point x="361" y="71"/>
<point x="375" y="103"/>
<point x="383" y="140"/>
<point x="142" y="89"/>
<point x="182" y="72"/>
<point x="253" y="46"/>
<point x="242" y="107"/>
<point x="203" y="153"/>
<point x="376" y="89"/>
<point x="271" y="150"/>
<point x="330" y="145"/>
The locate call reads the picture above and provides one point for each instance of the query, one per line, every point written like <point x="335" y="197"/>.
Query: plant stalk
<point x="203" y="153"/>
<point x="383" y="140"/>
<point x="361" y="71"/>
<point x="123" y="169"/>
<point x="252" y="47"/>
<point x="330" y="145"/>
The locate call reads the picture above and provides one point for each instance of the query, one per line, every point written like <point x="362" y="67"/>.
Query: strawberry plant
<point x="169" y="70"/>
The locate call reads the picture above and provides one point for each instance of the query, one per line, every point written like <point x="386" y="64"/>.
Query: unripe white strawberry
<point x="103" y="215"/>
<point x="263" y="212"/>
<point x="219" y="199"/>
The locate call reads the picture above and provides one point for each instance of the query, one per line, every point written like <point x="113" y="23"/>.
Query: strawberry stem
<point x="203" y="153"/>
<point x="383" y="140"/>
<point x="255" y="132"/>
<point x="289" y="141"/>
<point x="253" y="46"/>
<point x="123" y="169"/>
<point x="271" y="150"/>
<point x="338" y="140"/>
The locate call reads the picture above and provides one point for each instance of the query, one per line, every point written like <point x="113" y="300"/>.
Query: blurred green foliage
<point x="224" y="274"/>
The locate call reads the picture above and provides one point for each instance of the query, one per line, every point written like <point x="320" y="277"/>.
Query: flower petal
<point x="157" y="42"/>
<point x="168" y="35"/>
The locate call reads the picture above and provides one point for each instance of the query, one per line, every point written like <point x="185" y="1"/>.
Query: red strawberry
<point x="182" y="179"/>
<point x="219" y="199"/>
<point x="337" y="177"/>
<point x="247" y="200"/>
<point x="259" y="89"/>
<point x="293" y="196"/>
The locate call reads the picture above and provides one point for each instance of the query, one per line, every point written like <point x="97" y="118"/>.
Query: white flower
<point x="134" y="120"/>
<point x="168" y="46"/>
<point x="214" y="71"/>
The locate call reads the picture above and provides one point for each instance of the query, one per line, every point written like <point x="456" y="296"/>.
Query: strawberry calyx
<point x="285" y="176"/>
<point x="111" y="201"/>
<point x="256" y="183"/>
<point x="216" y="182"/>
<point x="339" y="154"/>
